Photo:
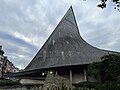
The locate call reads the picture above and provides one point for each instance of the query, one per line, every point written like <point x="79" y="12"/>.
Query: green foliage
<point x="97" y="86"/>
<point x="8" y="82"/>
<point x="111" y="67"/>
<point x="108" y="70"/>
<point x="86" y="84"/>
<point x="94" y="70"/>
<point x="103" y="4"/>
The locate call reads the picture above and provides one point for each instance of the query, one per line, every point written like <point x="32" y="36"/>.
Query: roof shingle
<point x="65" y="47"/>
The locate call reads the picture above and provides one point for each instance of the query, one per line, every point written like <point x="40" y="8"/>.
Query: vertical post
<point x="70" y="75"/>
<point x="85" y="75"/>
<point x="56" y="73"/>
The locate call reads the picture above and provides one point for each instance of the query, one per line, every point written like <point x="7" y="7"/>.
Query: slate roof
<point x="65" y="47"/>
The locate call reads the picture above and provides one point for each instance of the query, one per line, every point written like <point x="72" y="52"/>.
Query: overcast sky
<point x="26" y="24"/>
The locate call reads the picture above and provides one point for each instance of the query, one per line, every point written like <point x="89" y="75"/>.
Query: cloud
<point x="25" y="25"/>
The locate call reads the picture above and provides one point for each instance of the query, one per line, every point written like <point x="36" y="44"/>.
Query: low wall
<point x="22" y="87"/>
<point x="52" y="82"/>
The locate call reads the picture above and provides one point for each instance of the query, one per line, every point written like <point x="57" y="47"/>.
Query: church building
<point x="65" y="53"/>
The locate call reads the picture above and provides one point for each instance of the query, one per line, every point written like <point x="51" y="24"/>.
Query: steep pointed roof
<point x="65" y="47"/>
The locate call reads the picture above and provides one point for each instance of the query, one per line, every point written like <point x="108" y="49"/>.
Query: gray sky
<point x="26" y="24"/>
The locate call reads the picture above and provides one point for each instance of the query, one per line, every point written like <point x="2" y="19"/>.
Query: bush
<point x="85" y="84"/>
<point x="108" y="70"/>
<point x="8" y="82"/>
<point x="98" y="86"/>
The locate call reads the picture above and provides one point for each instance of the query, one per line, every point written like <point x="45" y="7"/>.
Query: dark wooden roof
<point x="65" y="47"/>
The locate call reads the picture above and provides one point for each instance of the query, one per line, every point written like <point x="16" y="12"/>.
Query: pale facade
<point x="11" y="68"/>
<point x="5" y="65"/>
<point x="1" y="60"/>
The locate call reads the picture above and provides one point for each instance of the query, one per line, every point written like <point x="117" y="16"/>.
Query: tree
<point x="111" y="66"/>
<point x="94" y="70"/>
<point x="103" y="4"/>
<point x="108" y="70"/>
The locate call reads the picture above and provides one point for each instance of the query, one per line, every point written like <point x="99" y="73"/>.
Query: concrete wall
<point x="31" y="82"/>
<point x="52" y="81"/>
<point x="66" y="76"/>
<point x="78" y="78"/>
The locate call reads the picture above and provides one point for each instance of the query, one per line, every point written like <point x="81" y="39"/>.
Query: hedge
<point x="97" y="86"/>
<point x="8" y="82"/>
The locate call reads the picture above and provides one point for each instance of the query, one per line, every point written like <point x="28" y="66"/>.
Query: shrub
<point x="98" y="86"/>
<point x="9" y="82"/>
